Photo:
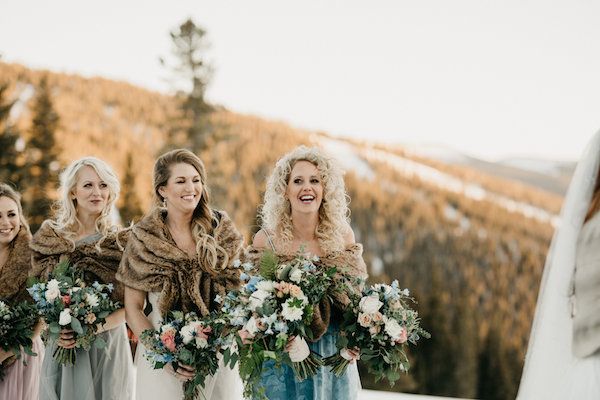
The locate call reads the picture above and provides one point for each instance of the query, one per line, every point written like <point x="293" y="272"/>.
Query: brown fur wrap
<point x="349" y="262"/>
<point x="49" y="248"/>
<point x="13" y="278"/>
<point x="152" y="262"/>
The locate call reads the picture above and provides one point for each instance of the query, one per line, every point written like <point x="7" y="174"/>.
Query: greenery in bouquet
<point x="66" y="301"/>
<point x="381" y="324"/>
<point x="271" y="316"/>
<point x="16" y="328"/>
<point x="189" y="340"/>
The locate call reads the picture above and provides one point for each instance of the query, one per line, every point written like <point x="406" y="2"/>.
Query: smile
<point x="189" y="197"/>
<point x="307" y="198"/>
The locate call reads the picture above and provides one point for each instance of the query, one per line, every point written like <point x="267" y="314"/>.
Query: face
<point x="183" y="189"/>
<point x="9" y="220"/>
<point x="90" y="192"/>
<point x="305" y="189"/>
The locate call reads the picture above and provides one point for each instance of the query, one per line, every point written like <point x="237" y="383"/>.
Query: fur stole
<point x="49" y="248"/>
<point x="13" y="275"/>
<point x="152" y="262"/>
<point x="349" y="262"/>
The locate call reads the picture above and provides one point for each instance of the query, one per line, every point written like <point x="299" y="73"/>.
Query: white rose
<point x="266" y="286"/>
<point x="52" y="290"/>
<point x="251" y="326"/>
<point x="257" y="299"/>
<point x="65" y="317"/>
<point x="370" y="304"/>
<point x="291" y="313"/>
<point x="298" y="349"/>
<point x="92" y="299"/>
<point x="393" y="329"/>
<point x="296" y="275"/>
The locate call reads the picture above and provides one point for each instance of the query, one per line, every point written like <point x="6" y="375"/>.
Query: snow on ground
<point x="448" y="182"/>
<point x="346" y="155"/>
<point x="381" y="395"/>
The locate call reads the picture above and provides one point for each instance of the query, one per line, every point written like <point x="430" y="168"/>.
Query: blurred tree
<point x="192" y="75"/>
<point x="42" y="157"/>
<point x="11" y="157"/>
<point x="130" y="209"/>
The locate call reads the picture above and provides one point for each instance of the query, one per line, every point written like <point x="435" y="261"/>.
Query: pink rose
<point x="66" y="299"/>
<point x="168" y="340"/>
<point x="377" y="317"/>
<point x="245" y="336"/>
<point x="364" y="320"/>
<point x="403" y="336"/>
<point x="203" y="331"/>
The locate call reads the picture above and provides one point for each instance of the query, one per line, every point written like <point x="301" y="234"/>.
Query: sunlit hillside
<point x="470" y="246"/>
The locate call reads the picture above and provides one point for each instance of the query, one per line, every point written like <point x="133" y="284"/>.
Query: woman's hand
<point x="66" y="339"/>
<point x="352" y="355"/>
<point x="5" y="354"/>
<point x="183" y="372"/>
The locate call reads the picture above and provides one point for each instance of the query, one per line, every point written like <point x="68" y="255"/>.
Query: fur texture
<point x="349" y="262"/>
<point x="49" y="248"/>
<point x="13" y="278"/>
<point x="152" y="262"/>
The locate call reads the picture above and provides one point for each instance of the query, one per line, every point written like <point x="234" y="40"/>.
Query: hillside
<point x="469" y="245"/>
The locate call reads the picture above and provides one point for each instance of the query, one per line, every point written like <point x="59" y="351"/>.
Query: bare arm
<point x="134" y="311"/>
<point x="115" y="319"/>
<point x="260" y="240"/>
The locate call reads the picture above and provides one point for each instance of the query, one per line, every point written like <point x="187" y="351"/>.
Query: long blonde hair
<point x="9" y="192"/>
<point x="333" y="212"/>
<point x="66" y="221"/>
<point x="204" y="218"/>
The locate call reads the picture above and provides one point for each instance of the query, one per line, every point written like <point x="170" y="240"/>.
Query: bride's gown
<point x="551" y="371"/>
<point x="158" y="384"/>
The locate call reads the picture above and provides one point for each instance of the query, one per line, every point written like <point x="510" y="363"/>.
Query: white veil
<point x="551" y="370"/>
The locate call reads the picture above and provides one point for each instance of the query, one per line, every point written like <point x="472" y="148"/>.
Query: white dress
<point x="157" y="384"/>
<point x="551" y="370"/>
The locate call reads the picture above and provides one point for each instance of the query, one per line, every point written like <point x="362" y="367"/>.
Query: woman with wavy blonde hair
<point x="179" y="257"/>
<point x="306" y="209"/>
<point x="83" y="233"/>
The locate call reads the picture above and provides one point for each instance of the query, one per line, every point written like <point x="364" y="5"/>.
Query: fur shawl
<point x="349" y="262"/>
<point x="14" y="273"/>
<point x="49" y="248"/>
<point x="152" y="262"/>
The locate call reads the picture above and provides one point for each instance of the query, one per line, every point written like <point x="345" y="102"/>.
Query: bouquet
<point x="186" y="339"/>
<point x="272" y="313"/>
<point x="16" y="328"/>
<point x="381" y="324"/>
<point x="65" y="301"/>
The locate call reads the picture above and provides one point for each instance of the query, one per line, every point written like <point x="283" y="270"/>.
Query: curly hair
<point x="66" y="222"/>
<point x="10" y="193"/>
<point x="333" y="213"/>
<point x="204" y="219"/>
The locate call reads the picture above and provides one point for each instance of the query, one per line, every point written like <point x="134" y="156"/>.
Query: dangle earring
<point x="164" y="202"/>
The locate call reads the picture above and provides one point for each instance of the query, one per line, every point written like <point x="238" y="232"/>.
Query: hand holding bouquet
<point x="273" y="313"/>
<point x="381" y="324"/>
<point x="16" y="328"/>
<point x="65" y="301"/>
<point x="188" y="340"/>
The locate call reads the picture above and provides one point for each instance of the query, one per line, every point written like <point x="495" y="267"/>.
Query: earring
<point x="164" y="202"/>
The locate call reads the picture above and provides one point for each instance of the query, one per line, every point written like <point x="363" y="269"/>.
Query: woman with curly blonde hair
<point x="179" y="257"/>
<point x="306" y="209"/>
<point x="84" y="234"/>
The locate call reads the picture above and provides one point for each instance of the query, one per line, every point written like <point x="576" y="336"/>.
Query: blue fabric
<point x="280" y="383"/>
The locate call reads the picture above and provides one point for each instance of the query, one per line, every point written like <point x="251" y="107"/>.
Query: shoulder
<point x="260" y="240"/>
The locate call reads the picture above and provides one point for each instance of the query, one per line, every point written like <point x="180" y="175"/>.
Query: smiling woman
<point x="83" y="233"/>
<point x="180" y="256"/>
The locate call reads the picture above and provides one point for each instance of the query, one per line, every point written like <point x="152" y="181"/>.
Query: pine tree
<point x="42" y="157"/>
<point x="193" y="73"/>
<point x="11" y="157"/>
<point x="130" y="208"/>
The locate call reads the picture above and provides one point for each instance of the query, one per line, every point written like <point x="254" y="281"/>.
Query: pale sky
<point x="490" y="78"/>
